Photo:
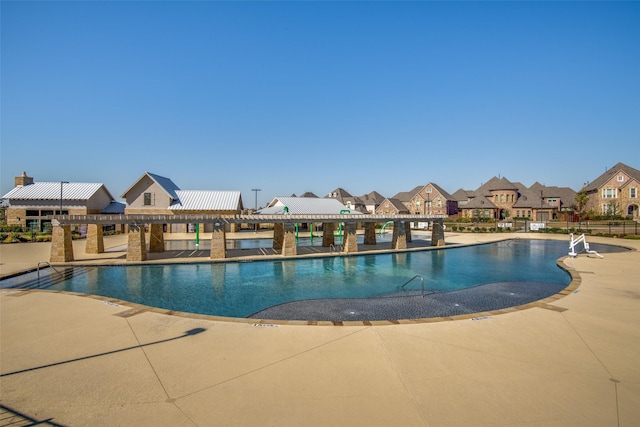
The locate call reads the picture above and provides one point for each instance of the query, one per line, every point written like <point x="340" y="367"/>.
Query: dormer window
<point x="147" y="199"/>
<point x="620" y="178"/>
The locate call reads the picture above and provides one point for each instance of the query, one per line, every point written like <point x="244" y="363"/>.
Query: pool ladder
<point x="417" y="276"/>
<point x="51" y="266"/>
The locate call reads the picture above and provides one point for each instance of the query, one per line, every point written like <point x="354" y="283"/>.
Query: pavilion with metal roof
<point x="284" y="224"/>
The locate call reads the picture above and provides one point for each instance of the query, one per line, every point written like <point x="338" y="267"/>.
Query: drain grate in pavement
<point x="129" y="313"/>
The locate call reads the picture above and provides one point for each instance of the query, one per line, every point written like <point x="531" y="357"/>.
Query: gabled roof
<point x="51" y="191"/>
<point x="396" y="203"/>
<point x="479" y="203"/>
<point x="605" y="177"/>
<point x="441" y="191"/>
<point x="338" y="193"/>
<point x="114" y="208"/>
<point x="495" y="184"/>
<point x="166" y="184"/>
<point x="462" y="195"/>
<point x="308" y="194"/>
<point x="304" y="206"/>
<point x="534" y="196"/>
<point x="374" y="198"/>
<point x="205" y="200"/>
<point x="406" y="196"/>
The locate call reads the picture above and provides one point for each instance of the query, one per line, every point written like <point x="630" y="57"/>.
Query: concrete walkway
<point x="79" y="361"/>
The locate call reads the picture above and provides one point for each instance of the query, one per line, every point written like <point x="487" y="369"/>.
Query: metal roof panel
<point x="205" y="200"/>
<point x="51" y="191"/>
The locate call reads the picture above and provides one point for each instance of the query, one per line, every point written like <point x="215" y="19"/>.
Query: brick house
<point x="428" y="199"/>
<point x="500" y="199"/>
<point x="615" y="192"/>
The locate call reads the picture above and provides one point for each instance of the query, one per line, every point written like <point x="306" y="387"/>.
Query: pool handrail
<point x="412" y="279"/>
<point x="51" y="266"/>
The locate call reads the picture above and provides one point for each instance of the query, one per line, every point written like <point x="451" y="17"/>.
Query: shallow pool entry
<point x="457" y="280"/>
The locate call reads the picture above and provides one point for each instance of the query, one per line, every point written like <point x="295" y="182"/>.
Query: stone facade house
<point x="351" y="202"/>
<point x="428" y="199"/>
<point x="615" y="192"/>
<point x="155" y="194"/>
<point x="392" y="206"/>
<point x="32" y="203"/>
<point x="543" y="203"/>
<point x="372" y="201"/>
<point x="501" y="199"/>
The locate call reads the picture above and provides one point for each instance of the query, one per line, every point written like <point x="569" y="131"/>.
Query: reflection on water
<point x="205" y="244"/>
<point x="242" y="288"/>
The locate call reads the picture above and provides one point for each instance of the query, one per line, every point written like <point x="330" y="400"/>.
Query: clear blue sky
<point x="291" y="97"/>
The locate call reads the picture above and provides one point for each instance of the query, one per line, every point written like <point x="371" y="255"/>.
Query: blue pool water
<point x="238" y="289"/>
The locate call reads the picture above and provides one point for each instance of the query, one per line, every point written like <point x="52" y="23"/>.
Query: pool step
<point x="49" y="277"/>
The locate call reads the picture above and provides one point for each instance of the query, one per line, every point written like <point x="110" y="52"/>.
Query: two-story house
<point x="615" y="192"/>
<point x="155" y="194"/>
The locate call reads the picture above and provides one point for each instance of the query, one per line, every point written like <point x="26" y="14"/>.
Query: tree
<point x="581" y="199"/>
<point x="612" y="210"/>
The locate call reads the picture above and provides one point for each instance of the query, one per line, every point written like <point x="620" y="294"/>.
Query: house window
<point x="633" y="192"/>
<point x="609" y="193"/>
<point x="439" y="203"/>
<point x="620" y="178"/>
<point x="608" y="208"/>
<point x="147" y="199"/>
<point x="529" y="214"/>
<point x="428" y="190"/>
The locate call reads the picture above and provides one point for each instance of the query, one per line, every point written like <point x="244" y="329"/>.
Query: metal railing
<point x="417" y="276"/>
<point x="50" y="266"/>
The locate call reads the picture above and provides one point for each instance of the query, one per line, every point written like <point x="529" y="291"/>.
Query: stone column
<point x="350" y="238"/>
<point x="437" y="233"/>
<point x="156" y="238"/>
<point x="278" y="235"/>
<point x="289" y="244"/>
<point x="61" y="244"/>
<point x="399" y="239"/>
<point x="407" y="231"/>
<point x="218" y="242"/>
<point x="137" y="246"/>
<point x="95" y="240"/>
<point x="328" y="237"/>
<point x="370" y="233"/>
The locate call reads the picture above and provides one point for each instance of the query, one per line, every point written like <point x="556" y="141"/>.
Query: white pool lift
<point x="582" y="239"/>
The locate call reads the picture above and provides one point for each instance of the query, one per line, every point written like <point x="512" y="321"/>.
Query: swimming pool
<point x="240" y="289"/>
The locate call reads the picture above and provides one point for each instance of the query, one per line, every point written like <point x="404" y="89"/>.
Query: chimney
<point x="23" y="180"/>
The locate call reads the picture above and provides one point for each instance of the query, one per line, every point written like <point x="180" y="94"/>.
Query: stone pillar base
<point x="370" y="233"/>
<point x="328" y="237"/>
<point x="437" y="233"/>
<point x="61" y="244"/>
<point x="278" y="235"/>
<point x="399" y="239"/>
<point x="218" y="242"/>
<point x="137" y="246"/>
<point x="289" y="244"/>
<point x="95" y="240"/>
<point x="350" y="237"/>
<point x="156" y="238"/>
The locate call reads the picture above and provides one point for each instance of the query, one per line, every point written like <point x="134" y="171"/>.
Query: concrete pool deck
<point x="80" y="361"/>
